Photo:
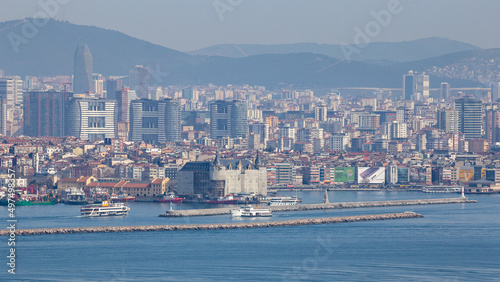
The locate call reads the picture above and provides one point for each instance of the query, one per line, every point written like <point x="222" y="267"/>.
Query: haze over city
<point x="194" y="24"/>
<point x="220" y="140"/>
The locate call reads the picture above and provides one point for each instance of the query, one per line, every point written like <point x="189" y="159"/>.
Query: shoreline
<point x="218" y="226"/>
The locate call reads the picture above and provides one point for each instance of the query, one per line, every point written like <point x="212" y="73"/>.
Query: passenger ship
<point x="105" y="209"/>
<point x="284" y="201"/>
<point x="249" y="211"/>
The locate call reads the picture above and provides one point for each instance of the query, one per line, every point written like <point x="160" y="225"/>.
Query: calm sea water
<point x="453" y="242"/>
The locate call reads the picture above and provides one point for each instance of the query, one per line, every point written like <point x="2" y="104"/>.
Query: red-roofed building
<point x="81" y="182"/>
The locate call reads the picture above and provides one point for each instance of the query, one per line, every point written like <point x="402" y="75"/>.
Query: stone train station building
<point x="218" y="178"/>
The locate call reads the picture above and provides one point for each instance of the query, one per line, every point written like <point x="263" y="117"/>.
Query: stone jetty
<point x="217" y="226"/>
<point x="326" y="206"/>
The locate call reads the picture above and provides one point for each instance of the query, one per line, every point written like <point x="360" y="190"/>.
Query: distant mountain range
<point x="49" y="51"/>
<point x="377" y="51"/>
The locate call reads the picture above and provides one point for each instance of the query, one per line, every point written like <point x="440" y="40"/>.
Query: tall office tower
<point x="447" y="120"/>
<point x="423" y="85"/>
<point x="82" y="82"/>
<point x="43" y="114"/>
<point x="239" y="116"/>
<point x="469" y="117"/>
<point x="147" y="121"/>
<point x="172" y="120"/>
<point x="228" y="119"/>
<point x="320" y="113"/>
<point x="113" y="85"/>
<point x="3" y="117"/>
<point x="139" y="81"/>
<point x="495" y="91"/>
<point x="409" y="85"/>
<point x="155" y="121"/>
<point x="98" y="85"/>
<point x="445" y="90"/>
<point x="123" y="99"/>
<point x="492" y="126"/>
<point x="91" y="119"/>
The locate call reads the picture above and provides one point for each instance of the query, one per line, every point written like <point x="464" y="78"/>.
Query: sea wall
<point x="243" y="225"/>
<point x="306" y="207"/>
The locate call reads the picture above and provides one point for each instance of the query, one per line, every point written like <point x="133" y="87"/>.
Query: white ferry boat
<point x="283" y="202"/>
<point x="105" y="209"/>
<point x="442" y="189"/>
<point x="249" y="211"/>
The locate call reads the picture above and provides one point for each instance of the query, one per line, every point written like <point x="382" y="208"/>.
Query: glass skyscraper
<point x="409" y="85"/>
<point x="82" y="81"/>
<point x="469" y="117"/>
<point x="228" y="119"/>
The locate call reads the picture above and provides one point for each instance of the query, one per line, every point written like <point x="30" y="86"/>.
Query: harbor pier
<point x="325" y="206"/>
<point x="217" y="226"/>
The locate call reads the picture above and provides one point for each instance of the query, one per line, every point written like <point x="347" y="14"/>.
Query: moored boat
<point x="284" y="201"/>
<point x="75" y="196"/>
<point x="122" y="198"/>
<point x="249" y="211"/>
<point x="227" y="200"/>
<point x="170" y="198"/>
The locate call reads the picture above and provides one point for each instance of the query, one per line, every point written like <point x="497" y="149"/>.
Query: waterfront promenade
<point x="306" y="207"/>
<point x="243" y="225"/>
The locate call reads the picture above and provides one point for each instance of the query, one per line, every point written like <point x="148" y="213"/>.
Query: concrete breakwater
<point x="306" y="207"/>
<point x="244" y="225"/>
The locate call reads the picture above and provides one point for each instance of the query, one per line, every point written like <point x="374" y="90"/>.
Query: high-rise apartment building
<point x="495" y="91"/>
<point x="423" y="85"/>
<point x="113" y="85"/>
<point x="172" y="120"/>
<point x="43" y="113"/>
<point x="445" y="90"/>
<point x="470" y="117"/>
<point x="228" y="119"/>
<point x="154" y="121"/>
<point x="320" y="113"/>
<point x="147" y="121"/>
<point x="123" y="99"/>
<point x="447" y="120"/>
<point x="82" y="82"/>
<point x="98" y="85"/>
<point x="3" y="117"/>
<point x="91" y="119"/>
<point x="139" y="81"/>
<point x="492" y="126"/>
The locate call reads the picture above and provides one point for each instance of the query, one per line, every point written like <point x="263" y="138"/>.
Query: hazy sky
<point x="191" y="24"/>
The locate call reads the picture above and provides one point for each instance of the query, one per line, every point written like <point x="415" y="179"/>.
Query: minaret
<point x="217" y="159"/>
<point x="257" y="161"/>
